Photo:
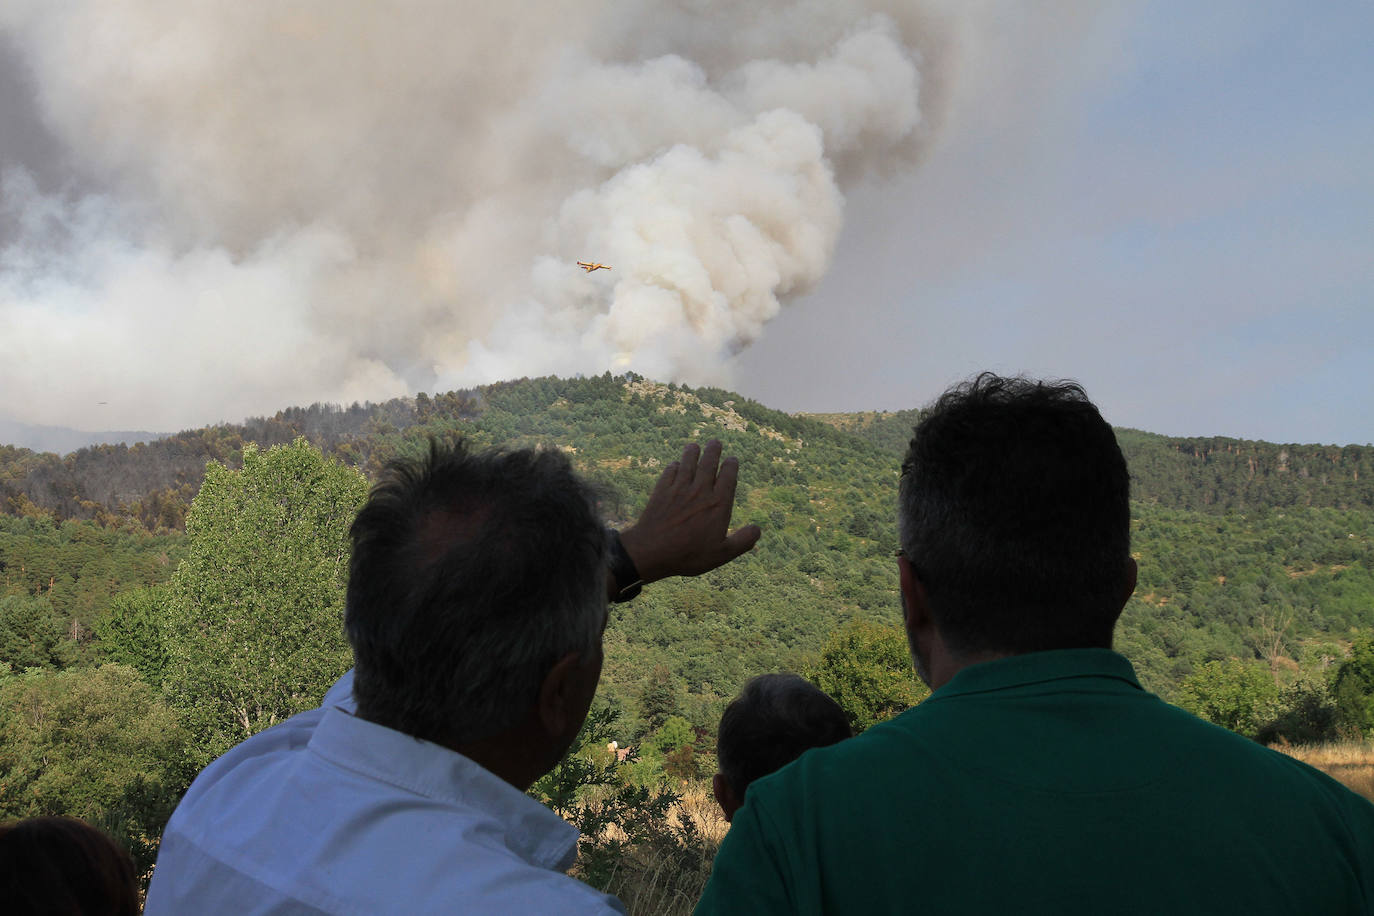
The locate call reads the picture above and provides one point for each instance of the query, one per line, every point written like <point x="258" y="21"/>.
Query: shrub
<point x="1353" y="689"/>
<point x="633" y="844"/>
<point x="1234" y="694"/>
<point x="867" y="668"/>
<point x="1306" y="715"/>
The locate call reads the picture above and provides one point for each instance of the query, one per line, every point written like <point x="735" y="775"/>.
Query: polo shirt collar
<point x="1039" y="667"/>
<point x="532" y="831"/>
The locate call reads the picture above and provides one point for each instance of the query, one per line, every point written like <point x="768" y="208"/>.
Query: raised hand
<point x="685" y="528"/>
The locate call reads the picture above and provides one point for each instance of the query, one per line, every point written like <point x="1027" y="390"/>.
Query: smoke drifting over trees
<point x="347" y="200"/>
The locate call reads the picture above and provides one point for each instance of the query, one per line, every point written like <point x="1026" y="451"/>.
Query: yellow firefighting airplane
<point x="590" y="266"/>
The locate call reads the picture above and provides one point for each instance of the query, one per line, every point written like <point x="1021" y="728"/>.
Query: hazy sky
<point x="1171" y="202"/>
<point x="1174" y="205"/>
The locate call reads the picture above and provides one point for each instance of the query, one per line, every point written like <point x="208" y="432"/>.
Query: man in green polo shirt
<point x="1038" y="777"/>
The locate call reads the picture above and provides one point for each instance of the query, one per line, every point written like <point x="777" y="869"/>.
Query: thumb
<point x="742" y="540"/>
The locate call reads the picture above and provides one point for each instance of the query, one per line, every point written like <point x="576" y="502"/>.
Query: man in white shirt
<point x="476" y="604"/>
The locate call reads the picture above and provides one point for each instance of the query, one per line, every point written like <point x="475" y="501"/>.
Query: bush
<point x="866" y="668"/>
<point x="1306" y="715"/>
<point x="1234" y="694"/>
<point x="1353" y="689"/>
<point x="632" y="843"/>
<point x="98" y="744"/>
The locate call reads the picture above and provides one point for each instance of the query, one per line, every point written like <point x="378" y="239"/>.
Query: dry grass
<point x="699" y="804"/>
<point x="657" y="881"/>
<point x="1348" y="762"/>
<point x="658" y="886"/>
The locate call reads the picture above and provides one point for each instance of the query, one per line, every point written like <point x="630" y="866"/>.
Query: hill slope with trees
<point x="1256" y="575"/>
<point x="1210" y="474"/>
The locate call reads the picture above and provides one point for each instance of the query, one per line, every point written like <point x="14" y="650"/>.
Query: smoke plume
<point x="340" y="199"/>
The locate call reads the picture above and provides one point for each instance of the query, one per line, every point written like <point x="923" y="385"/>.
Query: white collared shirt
<point x="330" y="813"/>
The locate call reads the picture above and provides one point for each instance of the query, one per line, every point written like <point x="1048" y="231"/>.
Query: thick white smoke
<point x="339" y="199"/>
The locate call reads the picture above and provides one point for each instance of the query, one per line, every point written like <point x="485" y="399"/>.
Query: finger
<point x="706" y="468"/>
<point x="743" y="540"/>
<point x="727" y="479"/>
<point x="665" y="481"/>
<point x="687" y="471"/>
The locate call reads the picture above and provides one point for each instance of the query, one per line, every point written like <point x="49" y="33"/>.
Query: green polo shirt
<point x="1046" y="783"/>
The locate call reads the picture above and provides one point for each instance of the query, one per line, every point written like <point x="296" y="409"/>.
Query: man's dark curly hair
<point x="1015" y="515"/>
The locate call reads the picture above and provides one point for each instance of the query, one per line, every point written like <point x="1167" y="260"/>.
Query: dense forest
<point x="1206" y="474"/>
<point x="118" y="569"/>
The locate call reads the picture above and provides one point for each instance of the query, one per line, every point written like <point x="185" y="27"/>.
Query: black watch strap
<point x="627" y="580"/>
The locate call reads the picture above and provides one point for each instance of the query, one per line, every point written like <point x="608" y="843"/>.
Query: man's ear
<point x="915" y="607"/>
<point x="557" y="695"/>
<point x="1132" y="570"/>
<point x="725" y="796"/>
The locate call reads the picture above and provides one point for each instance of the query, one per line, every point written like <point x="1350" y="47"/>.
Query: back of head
<point x="1015" y="516"/>
<point x="472" y="573"/>
<point x="60" y="865"/>
<point x="774" y="720"/>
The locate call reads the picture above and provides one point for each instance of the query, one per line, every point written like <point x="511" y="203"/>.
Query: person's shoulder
<point x="1323" y="785"/>
<point x="1234" y="757"/>
<point x="439" y="883"/>
<point x="280" y="740"/>
<point x="388" y="852"/>
<point x="890" y="748"/>
<point x="529" y="890"/>
<point x="214" y="798"/>
<point x="461" y="877"/>
<point x="471" y="868"/>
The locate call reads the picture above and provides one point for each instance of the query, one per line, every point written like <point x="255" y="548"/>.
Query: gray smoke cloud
<point x="345" y="200"/>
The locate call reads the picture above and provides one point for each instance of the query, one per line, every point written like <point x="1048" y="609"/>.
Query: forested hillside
<point x="1256" y="574"/>
<point x="152" y="483"/>
<point x="1216" y="553"/>
<point x="1209" y="474"/>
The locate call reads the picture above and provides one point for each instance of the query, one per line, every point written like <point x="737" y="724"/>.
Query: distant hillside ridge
<point x="1226" y="474"/>
<point x="64" y="439"/>
<point x="889" y="430"/>
<point x="151" y="484"/>
<point x="1206" y="474"/>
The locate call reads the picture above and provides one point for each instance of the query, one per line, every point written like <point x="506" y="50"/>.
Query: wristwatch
<point x="627" y="578"/>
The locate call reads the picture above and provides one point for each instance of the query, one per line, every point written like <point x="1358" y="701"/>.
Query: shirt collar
<point x="1039" y="667"/>
<point x="532" y="831"/>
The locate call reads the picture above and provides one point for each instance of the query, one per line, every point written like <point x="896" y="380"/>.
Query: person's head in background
<point x="774" y="720"/>
<point x="60" y="865"/>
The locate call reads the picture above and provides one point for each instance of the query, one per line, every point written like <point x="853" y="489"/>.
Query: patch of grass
<point x="666" y="873"/>
<point x="1349" y="762"/>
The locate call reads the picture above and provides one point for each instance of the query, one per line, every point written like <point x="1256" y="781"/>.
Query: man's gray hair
<point x="471" y="575"/>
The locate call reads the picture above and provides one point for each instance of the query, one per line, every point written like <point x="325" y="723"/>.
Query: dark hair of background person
<point x="774" y="720"/>
<point x="61" y="866"/>
<point x="472" y="573"/>
<point x="1015" y="516"/>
